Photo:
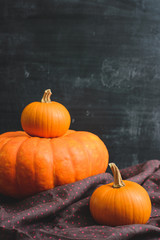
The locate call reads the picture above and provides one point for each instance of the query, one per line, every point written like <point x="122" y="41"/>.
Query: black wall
<point x="101" y="58"/>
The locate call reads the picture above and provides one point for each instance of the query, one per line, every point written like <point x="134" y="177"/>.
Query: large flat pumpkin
<point x="29" y="165"/>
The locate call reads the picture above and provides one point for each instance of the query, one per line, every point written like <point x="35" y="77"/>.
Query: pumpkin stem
<point x="118" y="182"/>
<point x="46" y="96"/>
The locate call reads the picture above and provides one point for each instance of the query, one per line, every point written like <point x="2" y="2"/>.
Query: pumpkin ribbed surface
<point x="45" y="119"/>
<point x="123" y="206"/>
<point x="29" y="165"/>
<point x="121" y="202"/>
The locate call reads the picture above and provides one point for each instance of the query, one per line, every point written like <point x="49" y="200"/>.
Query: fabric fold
<point x="63" y="212"/>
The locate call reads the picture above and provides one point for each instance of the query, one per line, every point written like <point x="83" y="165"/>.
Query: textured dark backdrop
<point x="100" y="58"/>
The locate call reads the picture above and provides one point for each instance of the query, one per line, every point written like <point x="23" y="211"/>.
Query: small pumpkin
<point x="29" y="165"/>
<point x="46" y="118"/>
<point x="120" y="203"/>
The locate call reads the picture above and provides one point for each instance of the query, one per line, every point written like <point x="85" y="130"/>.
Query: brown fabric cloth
<point x="63" y="212"/>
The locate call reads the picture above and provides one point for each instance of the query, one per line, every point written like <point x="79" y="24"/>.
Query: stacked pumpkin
<point x="47" y="153"/>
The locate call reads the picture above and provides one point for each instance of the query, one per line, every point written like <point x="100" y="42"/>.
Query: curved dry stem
<point x="118" y="182"/>
<point x="46" y="96"/>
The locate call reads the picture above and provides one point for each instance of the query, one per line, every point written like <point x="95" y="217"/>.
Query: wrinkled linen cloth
<point x="63" y="212"/>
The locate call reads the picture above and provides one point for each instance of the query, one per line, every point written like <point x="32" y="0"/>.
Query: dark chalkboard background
<point x="100" y="58"/>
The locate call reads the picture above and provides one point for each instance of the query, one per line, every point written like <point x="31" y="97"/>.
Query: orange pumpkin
<point x="120" y="203"/>
<point x="46" y="118"/>
<point x="29" y="165"/>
